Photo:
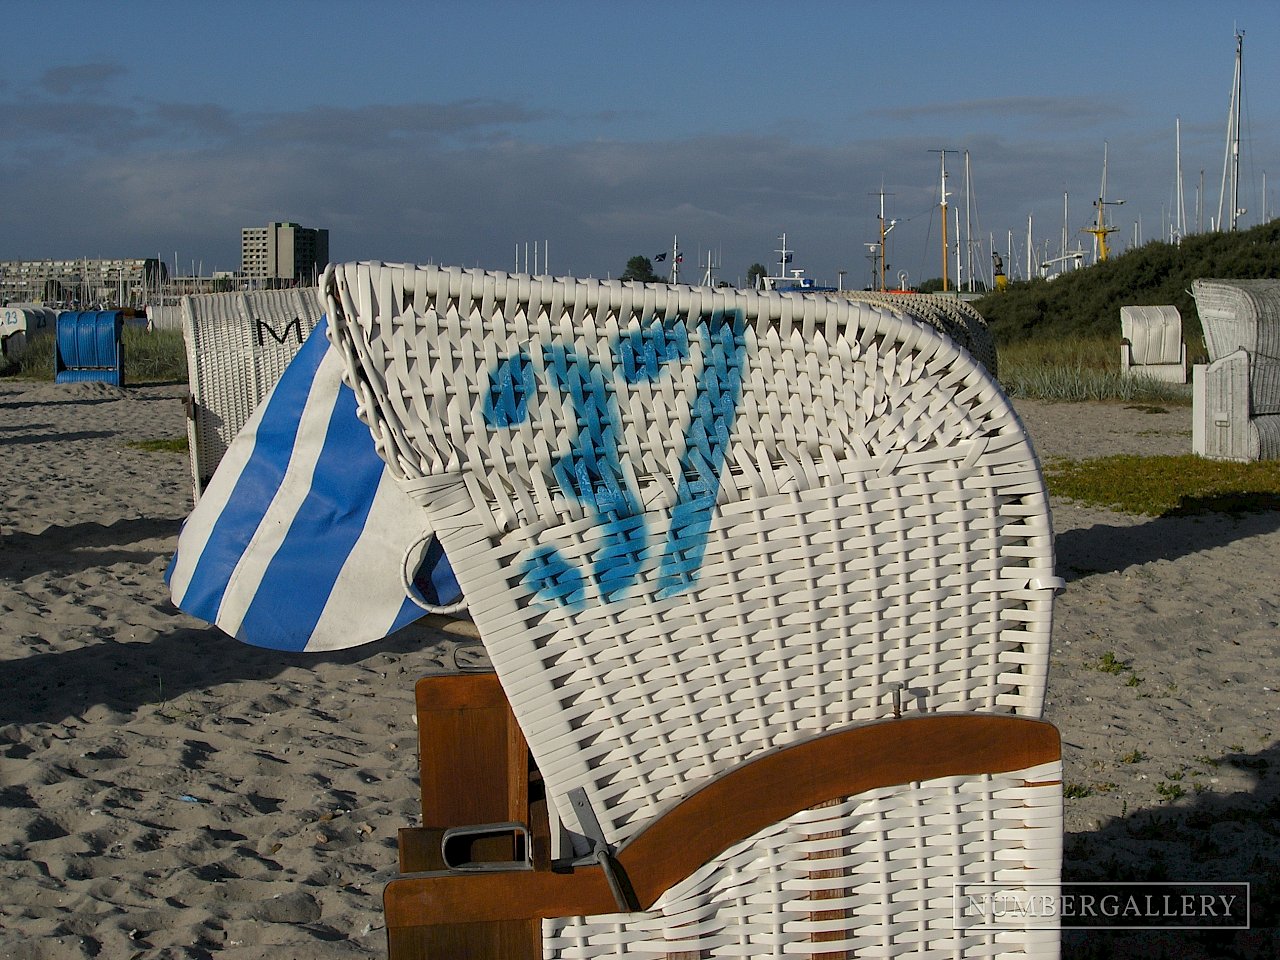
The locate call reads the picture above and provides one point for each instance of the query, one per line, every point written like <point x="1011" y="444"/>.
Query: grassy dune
<point x="156" y="357"/>
<point x="1080" y="368"/>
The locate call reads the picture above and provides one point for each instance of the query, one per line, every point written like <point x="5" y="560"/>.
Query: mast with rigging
<point x="943" y="154"/>
<point x="1100" y="230"/>
<point x="1231" y="159"/>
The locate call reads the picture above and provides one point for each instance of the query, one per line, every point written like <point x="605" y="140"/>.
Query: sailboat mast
<point x="968" y="228"/>
<point x="943" y="154"/>
<point x="1182" y="203"/>
<point x="1231" y="156"/>
<point x="1063" y="254"/>
<point x="1030" y="247"/>
<point x="882" y="235"/>
<point x="959" y="269"/>
<point x="1235" y="146"/>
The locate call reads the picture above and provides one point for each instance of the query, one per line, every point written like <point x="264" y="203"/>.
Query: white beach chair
<point x="238" y="344"/>
<point x="1152" y="344"/>
<point x="20" y="323"/>
<point x="299" y="540"/>
<point x="1236" y="397"/>
<point x="954" y="318"/>
<point x="767" y="581"/>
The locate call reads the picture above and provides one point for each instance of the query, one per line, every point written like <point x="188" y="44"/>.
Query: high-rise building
<point x="282" y="253"/>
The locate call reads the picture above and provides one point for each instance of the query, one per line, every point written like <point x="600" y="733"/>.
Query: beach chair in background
<point x="1236" y="396"/>
<point x="767" y="583"/>
<point x="954" y="318"/>
<point x="302" y="541"/>
<point x="238" y="344"/>
<point x="1152" y="345"/>
<point x="20" y="324"/>
<point x="88" y="347"/>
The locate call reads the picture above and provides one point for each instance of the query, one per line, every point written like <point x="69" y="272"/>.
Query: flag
<point x="679" y="258"/>
<point x="786" y="258"/>
<point x="660" y="257"/>
<point x="302" y="541"/>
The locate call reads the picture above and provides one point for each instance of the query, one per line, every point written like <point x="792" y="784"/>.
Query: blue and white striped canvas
<point x="301" y="540"/>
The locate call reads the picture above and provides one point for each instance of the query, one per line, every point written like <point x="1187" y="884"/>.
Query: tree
<point x="640" y="268"/>
<point x="754" y="273"/>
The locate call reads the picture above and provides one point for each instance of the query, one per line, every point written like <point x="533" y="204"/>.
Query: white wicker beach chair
<point x="1152" y="344"/>
<point x="955" y="318"/>
<point x="20" y="324"/>
<point x="238" y="344"/>
<point x="1236" y="397"/>
<point x="715" y="543"/>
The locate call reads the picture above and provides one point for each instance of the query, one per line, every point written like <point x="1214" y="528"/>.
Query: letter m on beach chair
<point x="238" y="345"/>
<point x="767" y="583"/>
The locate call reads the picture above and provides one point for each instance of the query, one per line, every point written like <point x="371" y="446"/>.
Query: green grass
<point x="160" y="446"/>
<point x="1077" y="369"/>
<point x="156" y="357"/>
<point x="1167" y="485"/>
<point x="1109" y="664"/>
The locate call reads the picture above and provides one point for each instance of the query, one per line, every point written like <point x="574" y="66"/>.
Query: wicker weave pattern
<point x="692" y="526"/>
<point x="872" y="875"/>
<point x="238" y="345"/>
<point x="1238" y="400"/>
<point x="1239" y="314"/>
<point x="951" y="316"/>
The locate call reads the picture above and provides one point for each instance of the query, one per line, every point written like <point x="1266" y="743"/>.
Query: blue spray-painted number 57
<point x="590" y="472"/>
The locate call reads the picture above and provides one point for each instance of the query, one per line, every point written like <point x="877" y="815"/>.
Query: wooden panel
<point x="420" y="849"/>
<point x="474" y="761"/>
<point x="507" y="940"/>
<point x="735" y="807"/>
<point x="841" y="764"/>
<point x="474" y="768"/>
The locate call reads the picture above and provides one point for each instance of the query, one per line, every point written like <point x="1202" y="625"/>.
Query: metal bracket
<point x="462" y="840"/>
<point x="624" y="894"/>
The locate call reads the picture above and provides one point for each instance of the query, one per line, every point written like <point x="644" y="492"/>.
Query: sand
<point x="166" y="792"/>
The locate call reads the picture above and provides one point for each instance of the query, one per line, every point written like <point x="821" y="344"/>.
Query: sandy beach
<point x="167" y="792"/>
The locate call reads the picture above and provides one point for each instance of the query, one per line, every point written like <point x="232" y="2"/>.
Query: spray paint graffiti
<point x="591" y="471"/>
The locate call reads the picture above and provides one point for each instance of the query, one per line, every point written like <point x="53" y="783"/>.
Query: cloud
<point x="467" y="182"/>
<point x="80" y="79"/>
<point x="34" y="128"/>
<point x="1044" y="112"/>
<point x="400" y="122"/>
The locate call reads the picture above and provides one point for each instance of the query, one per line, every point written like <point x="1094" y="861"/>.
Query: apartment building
<point x="81" y="282"/>
<point x="283" y="253"/>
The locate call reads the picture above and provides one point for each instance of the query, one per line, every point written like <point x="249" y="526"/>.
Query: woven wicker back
<point x="955" y="318"/>
<point x="1154" y="333"/>
<point x="1239" y="314"/>
<point x="694" y="525"/>
<point x="238" y="345"/>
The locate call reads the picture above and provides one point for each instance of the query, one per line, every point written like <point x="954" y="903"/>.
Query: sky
<point x="466" y="133"/>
